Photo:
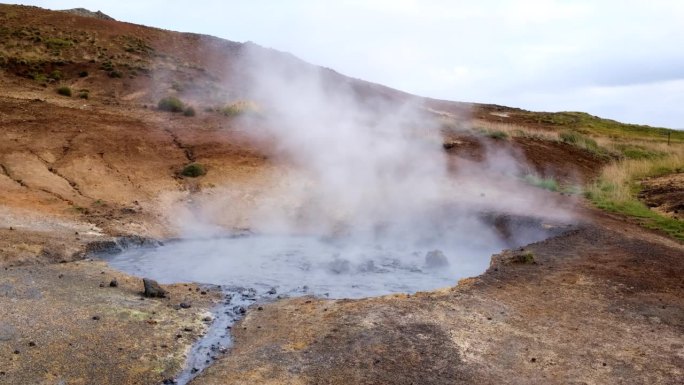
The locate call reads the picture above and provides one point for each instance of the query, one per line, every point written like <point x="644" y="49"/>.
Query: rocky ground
<point x="83" y="323"/>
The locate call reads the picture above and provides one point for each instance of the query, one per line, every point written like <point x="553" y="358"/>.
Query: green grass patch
<point x="584" y="142"/>
<point x="544" y="183"/>
<point x="54" y="43"/>
<point x="497" y="134"/>
<point x="593" y="125"/>
<point x="633" y="208"/>
<point x="631" y="151"/>
<point x="491" y="133"/>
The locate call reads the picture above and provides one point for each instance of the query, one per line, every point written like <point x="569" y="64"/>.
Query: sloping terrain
<point x="601" y="304"/>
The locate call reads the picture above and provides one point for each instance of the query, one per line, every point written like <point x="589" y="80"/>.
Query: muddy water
<point x="255" y="268"/>
<point x="303" y="265"/>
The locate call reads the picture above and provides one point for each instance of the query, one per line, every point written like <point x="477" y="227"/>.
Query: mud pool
<point x="251" y="269"/>
<point x="304" y="265"/>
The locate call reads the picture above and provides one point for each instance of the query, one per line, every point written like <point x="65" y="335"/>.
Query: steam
<point x="360" y="165"/>
<point x="359" y="191"/>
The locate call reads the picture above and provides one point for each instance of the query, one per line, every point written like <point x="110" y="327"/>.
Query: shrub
<point x="83" y="95"/>
<point x="525" y="257"/>
<point x="193" y="170"/>
<point x="189" y="111"/>
<point x="65" y="91"/>
<point x="170" y="104"/>
<point x="55" y="75"/>
<point x="83" y="74"/>
<point x="115" y="74"/>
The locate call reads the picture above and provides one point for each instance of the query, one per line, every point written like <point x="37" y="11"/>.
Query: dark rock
<point x="101" y="284"/>
<point x="153" y="290"/>
<point x="96" y="318"/>
<point x="272" y="291"/>
<point x="187" y="329"/>
<point x="32" y="344"/>
<point x="17" y="351"/>
<point x="113" y="283"/>
<point x="435" y="259"/>
<point x="185" y="305"/>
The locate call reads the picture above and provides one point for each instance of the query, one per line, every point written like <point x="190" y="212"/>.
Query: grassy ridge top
<point x="593" y="125"/>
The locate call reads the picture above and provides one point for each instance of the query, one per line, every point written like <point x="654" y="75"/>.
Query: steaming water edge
<point x="297" y="265"/>
<point x="258" y="268"/>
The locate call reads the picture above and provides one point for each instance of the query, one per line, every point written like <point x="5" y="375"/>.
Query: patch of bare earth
<point x="665" y="195"/>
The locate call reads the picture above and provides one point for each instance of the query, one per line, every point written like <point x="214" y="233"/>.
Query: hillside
<point x="116" y="135"/>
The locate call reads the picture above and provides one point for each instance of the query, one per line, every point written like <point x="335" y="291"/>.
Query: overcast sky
<point x="617" y="59"/>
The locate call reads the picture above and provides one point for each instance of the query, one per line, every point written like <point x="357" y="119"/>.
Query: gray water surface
<point x="297" y="265"/>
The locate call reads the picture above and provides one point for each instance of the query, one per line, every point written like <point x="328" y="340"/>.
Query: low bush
<point x="65" y="91"/>
<point x="171" y="104"/>
<point x="189" y="111"/>
<point x="193" y="170"/>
